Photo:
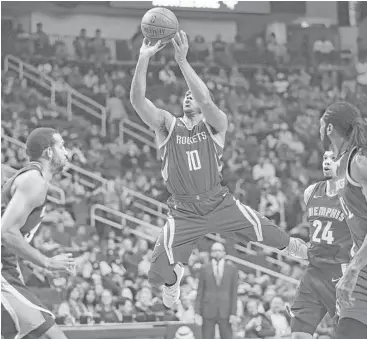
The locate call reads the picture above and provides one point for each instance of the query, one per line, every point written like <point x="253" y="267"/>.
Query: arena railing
<point x="55" y="193"/>
<point x="112" y="213"/>
<point x="92" y="181"/>
<point x="73" y="99"/>
<point x="126" y="219"/>
<point x="138" y="132"/>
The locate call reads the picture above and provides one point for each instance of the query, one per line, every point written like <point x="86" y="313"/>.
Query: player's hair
<point x="39" y="140"/>
<point x="348" y="121"/>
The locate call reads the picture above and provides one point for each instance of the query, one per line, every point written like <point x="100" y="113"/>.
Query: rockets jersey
<point x="330" y="240"/>
<point x="191" y="159"/>
<point x="355" y="208"/>
<point x="28" y="230"/>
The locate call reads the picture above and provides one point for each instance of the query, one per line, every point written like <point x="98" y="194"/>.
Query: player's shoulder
<point x="309" y="190"/>
<point x="31" y="182"/>
<point x="358" y="166"/>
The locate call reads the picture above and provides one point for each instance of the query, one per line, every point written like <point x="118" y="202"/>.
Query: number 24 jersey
<point x="330" y="239"/>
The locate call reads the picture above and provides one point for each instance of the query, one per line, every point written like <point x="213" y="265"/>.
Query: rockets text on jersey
<point x="191" y="158"/>
<point x="329" y="234"/>
<point x="30" y="227"/>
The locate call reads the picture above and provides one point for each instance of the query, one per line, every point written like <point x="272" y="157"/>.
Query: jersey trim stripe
<point x="349" y="178"/>
<point x="12" y="313"/>
<point x="168" y="235"/>
<point x="251" y="216"/>
<point x="5" y="286"/>
<point x="169" y="134"/>
<point x="216" y="138"/>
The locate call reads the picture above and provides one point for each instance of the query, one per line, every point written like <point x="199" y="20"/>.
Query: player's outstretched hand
<point x="345" y="288"/>
<point x="148" y="50"/>
<point x="181" y="45"/>
<point x="62" y="262"/>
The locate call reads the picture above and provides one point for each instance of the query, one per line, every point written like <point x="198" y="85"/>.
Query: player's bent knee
<point x="301" y="335"/>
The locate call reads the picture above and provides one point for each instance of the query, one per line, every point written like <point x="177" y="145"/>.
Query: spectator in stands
<point x="200" y="51"/>
<point x="127" y="309"/>
<point x="279" y="318"/>
<point x="99" y="50"/>
<point x="41" y="41"/>
<point x="116" y="111"/>
<point x="167" y="76"/>
<point x="263" y="169"/>
<point x="258" y="324"/>
<point x="73" y="306"/>
<point x="323" y="49"/>
<point x="23" y="45"/>
<point x="220" y="53"/>
<point x="108" y="311"/>
<point x="81" y="45"/>
<point x="91" y="79"/>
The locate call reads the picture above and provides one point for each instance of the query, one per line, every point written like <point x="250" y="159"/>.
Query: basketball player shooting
<point x="343" y="130"/>
<point x="191" y="149"/>
<point x="23" y="199"/>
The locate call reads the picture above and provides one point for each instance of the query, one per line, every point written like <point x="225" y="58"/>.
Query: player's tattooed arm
<point x="308" y="192"/>
<point x="30" y="193"/>
<point x="213" y="115"/>
<point x="154" y="117"/>
<point x="358" y="170"/>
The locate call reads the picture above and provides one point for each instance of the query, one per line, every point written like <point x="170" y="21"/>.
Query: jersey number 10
<point x="194" y="160"/>
<point x="326" y="234"/>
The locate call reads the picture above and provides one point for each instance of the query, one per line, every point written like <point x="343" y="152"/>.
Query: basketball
<point x="159" y="24"/>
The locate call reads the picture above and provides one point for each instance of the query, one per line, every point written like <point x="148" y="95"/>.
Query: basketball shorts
<point x="22" y="314"/>
<point x="358" y="310"/>
<point x="349" y="328"/>
<point x="217" y="212"/>
<point x="315" y="296"/>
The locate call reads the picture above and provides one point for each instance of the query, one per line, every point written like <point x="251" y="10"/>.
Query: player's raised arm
<point x="148" y="112"/>
<point x="29" y="194"/>
<point x="213" y="115"/>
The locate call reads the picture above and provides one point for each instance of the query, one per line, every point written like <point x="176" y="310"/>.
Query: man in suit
<point x="216" y="301"/>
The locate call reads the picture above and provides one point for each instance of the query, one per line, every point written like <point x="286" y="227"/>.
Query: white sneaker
<point x="171" y="294"/>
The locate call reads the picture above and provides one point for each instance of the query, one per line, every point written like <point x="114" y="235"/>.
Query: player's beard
<point x="57" y="164"/>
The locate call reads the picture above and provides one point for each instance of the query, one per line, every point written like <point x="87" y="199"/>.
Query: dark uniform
<point x="191" y="169"/>
<point x="330" y="244"/>
<point x="22" y="314"/>
<point x="355" y="208"/>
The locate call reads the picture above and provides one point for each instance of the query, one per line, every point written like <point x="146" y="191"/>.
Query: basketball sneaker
<point x="171" y="294"/>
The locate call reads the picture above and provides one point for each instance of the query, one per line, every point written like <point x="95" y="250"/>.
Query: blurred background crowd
<point x="273" y="92"/>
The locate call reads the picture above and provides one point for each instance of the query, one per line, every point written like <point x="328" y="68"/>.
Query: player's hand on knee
<point x="61" y="262"/>
<point x="198" y="320"/>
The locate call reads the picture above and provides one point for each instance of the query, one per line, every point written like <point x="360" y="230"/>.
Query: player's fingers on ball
<point x="174" y="43"/>
<point x="179" y="38"/>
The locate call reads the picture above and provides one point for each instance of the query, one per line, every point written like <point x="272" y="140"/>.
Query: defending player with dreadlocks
<point x="344" y="131"/>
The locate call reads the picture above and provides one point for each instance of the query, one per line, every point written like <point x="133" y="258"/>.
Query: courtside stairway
<point x="108" y="216"/>
<point x="77" y="102"/>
